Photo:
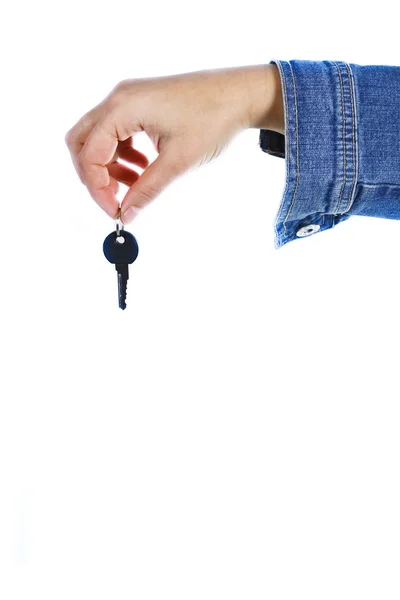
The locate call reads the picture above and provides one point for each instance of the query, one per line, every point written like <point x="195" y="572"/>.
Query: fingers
<point x="77" y="135"/>
<point x="154" y="179"/>
<point x="122" y="173"/>
<point x="126" y="152"/>
<point x="94" y="146"/>
<point x="119" y="171"/>
<point x="97" y="152"/>
<point x="114" y="185"/>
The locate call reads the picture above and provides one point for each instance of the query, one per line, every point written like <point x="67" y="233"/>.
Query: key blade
<point x="121" y="292"/>
<point x="123" y="276"/>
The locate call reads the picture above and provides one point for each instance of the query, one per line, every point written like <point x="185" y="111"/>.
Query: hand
<point x="190" y="119"/>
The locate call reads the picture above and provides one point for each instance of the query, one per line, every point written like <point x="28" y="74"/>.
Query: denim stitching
<point x="287" y="145"/>
<point x="297" y="148"/>
<point x="355" y="150"/>
<point x="379" y="185"/>
<point x="344" y="139"/>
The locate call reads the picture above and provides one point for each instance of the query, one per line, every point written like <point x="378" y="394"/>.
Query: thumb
<point x="154" y="179"/>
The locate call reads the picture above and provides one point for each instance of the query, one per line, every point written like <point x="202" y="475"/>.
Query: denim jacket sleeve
<point x="341" y="145"/>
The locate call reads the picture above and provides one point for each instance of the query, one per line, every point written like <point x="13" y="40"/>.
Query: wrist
<point x="265" y="109"/>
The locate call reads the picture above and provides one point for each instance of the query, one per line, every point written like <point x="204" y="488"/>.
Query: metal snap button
<point x="307" y="230"/>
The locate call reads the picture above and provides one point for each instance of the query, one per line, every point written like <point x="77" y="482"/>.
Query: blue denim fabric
<point x="341" y="145"/>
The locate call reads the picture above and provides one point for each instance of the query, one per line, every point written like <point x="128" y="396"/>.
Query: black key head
<point x="118" y="251"/>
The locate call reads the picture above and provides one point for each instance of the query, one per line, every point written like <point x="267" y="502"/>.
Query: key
<point x="121" y="249"/>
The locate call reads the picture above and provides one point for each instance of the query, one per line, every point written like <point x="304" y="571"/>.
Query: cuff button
<point x="307" y="230"/>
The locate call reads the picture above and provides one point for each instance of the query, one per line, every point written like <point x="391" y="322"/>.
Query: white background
<point x="234" y="433"/>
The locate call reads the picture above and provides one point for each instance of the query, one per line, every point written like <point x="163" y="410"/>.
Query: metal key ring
<point x="119" y="223"/>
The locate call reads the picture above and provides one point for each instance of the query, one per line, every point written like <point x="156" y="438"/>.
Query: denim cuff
<point x="320" y="146"/>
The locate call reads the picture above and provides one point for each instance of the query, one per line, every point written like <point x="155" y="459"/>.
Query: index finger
<point x="77" y="135"/>
<point x="98" y="150"/>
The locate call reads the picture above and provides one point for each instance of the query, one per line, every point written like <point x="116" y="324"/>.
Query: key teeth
<point x="122" y="287"/>
<point x="124" y="296"/>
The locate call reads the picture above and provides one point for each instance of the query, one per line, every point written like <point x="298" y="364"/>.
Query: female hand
<point x="190" y="119"/>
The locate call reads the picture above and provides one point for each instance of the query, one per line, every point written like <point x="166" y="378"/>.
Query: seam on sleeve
<point x="287" y="146"/>
<point x="297" y="165"/>
<point x="355" y="136"/>
<point x="348" y="134"/>
<point x="343" y="139"/>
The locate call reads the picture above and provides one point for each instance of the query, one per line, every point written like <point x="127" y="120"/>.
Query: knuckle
<point x="114" y="122"/>
<point x="121" y="85"/>
<point x="119" y="93"/>
<point x="68" y="138"/>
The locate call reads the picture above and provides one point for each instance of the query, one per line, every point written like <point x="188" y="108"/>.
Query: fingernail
<point x="129" y="214"/>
